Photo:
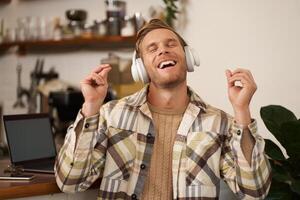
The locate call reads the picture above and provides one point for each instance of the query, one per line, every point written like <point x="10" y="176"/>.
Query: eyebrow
<point x="172" y="40"/>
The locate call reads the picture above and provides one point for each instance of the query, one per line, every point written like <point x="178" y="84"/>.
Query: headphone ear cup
<point x="142" y="71"/>
<point x="134" y="71"/>
<point x="138" y="70"/>
<point x="192" y="58"/>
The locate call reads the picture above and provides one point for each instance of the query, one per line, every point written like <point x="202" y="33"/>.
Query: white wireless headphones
<point x="139" y="72"/>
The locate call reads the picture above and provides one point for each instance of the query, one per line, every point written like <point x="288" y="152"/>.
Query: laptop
<point x="30" y="142"/>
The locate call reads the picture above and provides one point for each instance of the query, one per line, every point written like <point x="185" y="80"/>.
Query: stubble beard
<point x="165" y="84"/>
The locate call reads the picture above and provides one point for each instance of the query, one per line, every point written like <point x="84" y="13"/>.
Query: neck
<point x="168" y="98"/>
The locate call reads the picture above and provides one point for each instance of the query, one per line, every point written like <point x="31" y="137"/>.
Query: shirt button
<point x="133" y="196"/>
<point x="87" y="125"/>
<point x="71" y="164"/>
<point x="238" y="132"/>
<point x="149" y="135"/>
<point x="143" y="166"/>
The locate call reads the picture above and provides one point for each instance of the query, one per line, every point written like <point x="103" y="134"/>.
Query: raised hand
<point x="94" y="89"/>
<point x="240" y="95"/>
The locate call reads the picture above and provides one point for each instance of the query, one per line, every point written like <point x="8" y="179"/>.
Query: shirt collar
<point x="139" y="98"/>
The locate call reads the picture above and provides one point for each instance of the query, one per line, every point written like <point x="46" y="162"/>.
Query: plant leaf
<point x="295" y="186"/>
<point x="280" y="174"/>
<point x="273" y="116"/>
<point x="291" y="133"/>
<point x="293" y="164"/>
<point x="279" y="191"/>
<point x="279" y="195"/>
<point x="273" y="151"/>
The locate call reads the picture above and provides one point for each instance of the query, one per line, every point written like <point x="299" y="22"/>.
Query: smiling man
<point x="164" y="142"/>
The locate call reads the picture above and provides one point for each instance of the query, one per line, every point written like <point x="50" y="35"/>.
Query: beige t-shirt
<point x="159" y="181"/>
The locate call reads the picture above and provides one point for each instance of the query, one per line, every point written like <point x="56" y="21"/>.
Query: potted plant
<point x="171" y="10"/>
<point x="285" y="126"/>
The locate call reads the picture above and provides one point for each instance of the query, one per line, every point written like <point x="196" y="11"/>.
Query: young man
<point x="163" y="142"/>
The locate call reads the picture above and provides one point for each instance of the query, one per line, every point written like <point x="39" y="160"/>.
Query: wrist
<point x="90" y="108"/>
<point x="242" y="116"/>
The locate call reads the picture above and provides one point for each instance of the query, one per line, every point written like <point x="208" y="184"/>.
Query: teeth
<point x="165" y="63"/>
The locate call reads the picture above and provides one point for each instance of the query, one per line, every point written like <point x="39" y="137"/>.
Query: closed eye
<point x="172" y="43"/>
<point x="152" y="49"/>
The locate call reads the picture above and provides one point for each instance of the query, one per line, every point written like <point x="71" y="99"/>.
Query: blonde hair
<point x="150" y="26"/>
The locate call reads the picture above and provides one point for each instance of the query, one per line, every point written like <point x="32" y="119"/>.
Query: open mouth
<point x="166" y="64"/>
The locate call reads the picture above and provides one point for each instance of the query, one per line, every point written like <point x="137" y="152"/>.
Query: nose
<point x="163" y="50"/>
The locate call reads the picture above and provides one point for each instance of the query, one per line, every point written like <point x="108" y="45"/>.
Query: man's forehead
<point x="158" y="35"/>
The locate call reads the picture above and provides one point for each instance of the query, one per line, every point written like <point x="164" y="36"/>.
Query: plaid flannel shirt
<point x="116" y="145"/>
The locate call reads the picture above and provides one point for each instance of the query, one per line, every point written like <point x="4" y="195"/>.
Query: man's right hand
<point x="94" y="89"/>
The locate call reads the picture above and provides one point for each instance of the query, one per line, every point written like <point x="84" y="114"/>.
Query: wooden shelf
<point x="5" y="1"/>
<point x="74" y="44"/>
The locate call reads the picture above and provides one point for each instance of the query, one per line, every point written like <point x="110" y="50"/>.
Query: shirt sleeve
<point x="246" y="181"/>
<point x="77" y="167"/>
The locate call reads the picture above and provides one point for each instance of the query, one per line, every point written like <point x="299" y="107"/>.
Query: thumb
<point x="228" y="75"/>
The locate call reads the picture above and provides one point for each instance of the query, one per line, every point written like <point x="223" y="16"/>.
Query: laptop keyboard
<point x="49" y="165"/>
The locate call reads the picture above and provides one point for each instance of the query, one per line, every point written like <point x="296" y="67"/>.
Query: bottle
<point x="57" y="31"/>
<point x="128" y="28"/>
<point x="1" y="30"/>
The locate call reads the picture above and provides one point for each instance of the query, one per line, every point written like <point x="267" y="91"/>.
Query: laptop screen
<point x="29" y="137"/>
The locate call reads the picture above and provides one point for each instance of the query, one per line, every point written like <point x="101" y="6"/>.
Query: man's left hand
<point x="241" y="87"/>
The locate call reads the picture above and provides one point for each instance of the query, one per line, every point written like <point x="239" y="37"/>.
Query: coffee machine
<point x="64" y="107"/>
<point x="115" y="15"/>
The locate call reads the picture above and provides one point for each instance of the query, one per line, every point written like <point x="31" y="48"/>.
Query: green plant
<point x="171" y="11"/>
<point x="285" y="126"/>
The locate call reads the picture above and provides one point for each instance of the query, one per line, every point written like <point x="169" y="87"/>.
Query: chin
<point x="169" y="83"/>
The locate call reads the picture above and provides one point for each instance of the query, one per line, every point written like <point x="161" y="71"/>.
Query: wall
<point x="262" y="36"/>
